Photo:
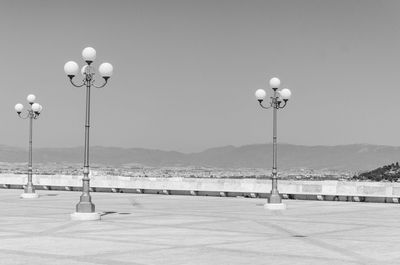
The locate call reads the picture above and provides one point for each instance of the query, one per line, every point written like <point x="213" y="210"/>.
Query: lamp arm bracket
<point x="284" y="105"/>
<point x="102" y="85"/>
<point x="76" y="85"/>
<point x="25" y="115"/>
<point x="262" y="106"/>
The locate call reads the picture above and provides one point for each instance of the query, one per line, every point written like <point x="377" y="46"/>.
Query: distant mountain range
<point x="343" y="157"/>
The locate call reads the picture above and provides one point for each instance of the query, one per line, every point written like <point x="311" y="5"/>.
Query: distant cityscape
<point x="168" y="172"/>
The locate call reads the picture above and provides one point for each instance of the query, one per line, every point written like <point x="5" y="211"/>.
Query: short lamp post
<point x="85" y="209"/>
<point x="32" y="114"/>
<point x="278" y="101"/>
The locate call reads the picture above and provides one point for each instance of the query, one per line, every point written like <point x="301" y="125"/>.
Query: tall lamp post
<point x="278" y="101"/>
<point x="85" y="209"/>
<point x="32" y="114"/>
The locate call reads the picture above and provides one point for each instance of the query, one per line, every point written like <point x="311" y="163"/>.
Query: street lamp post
<point x="32" y="114"/>
<point x="278" y="101"/>
<point x="85" y="209"/>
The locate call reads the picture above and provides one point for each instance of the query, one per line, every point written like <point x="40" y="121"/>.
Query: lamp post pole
<point x="29" y="186"/>
<point x="31" y="114"/>
<point x="85" y="209"/>
<point x="85" y="204"/>
<point x="278" y="101"/>
<point x="275" y="197"/>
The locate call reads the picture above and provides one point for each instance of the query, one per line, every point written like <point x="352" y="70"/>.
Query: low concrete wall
<point x="195" y="185"/>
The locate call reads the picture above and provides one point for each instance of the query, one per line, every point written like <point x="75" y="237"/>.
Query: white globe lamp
<point x="83" y="70"/>
<point x="285" y="94"/>
<point x="71" y="68"/>
<point x="31" y="98"/>
<point x="36" y="107"/>
<point x="274" y="83"/>
<point x="106" y="70"/>
<point x="18" y="108"/>
<point x="260" y="94"/>
<point x="89" y="55"/>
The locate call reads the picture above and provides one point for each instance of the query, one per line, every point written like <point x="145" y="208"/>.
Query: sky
<point x="185" y="72"/>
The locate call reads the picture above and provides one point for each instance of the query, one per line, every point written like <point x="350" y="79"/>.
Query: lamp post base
<point x="29" y="195"/>
<point x="85" y="216"/>
<point x="275" y="206"/>
<point x="85" y="206"/>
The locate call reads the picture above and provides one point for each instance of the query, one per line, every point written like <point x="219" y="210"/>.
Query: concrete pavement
<point x="162" y="229"/>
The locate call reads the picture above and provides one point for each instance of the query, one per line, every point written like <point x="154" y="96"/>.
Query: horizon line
<point x="203" y="150"/>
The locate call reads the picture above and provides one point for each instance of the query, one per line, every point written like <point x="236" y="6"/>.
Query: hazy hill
<point x="351" y="157"/>
<point x="386" y="173"/>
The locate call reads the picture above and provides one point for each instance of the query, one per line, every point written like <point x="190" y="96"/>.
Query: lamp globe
<point x="274" y="82"/>
<point x="31" y="98"/>
<point x="71" y="68"/>
<point x="89" y="54"/>
<point x="36" y="107"/>
<point x="260" y="94"/>
<point x="285" y="94"/>
<point x="106" y="69"/>
<point x="19" y="107"/>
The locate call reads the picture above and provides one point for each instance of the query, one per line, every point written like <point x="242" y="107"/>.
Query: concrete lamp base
<point x="85" y="216"/>
<point x="29" y="195"/>
<point x="275" y="206"/>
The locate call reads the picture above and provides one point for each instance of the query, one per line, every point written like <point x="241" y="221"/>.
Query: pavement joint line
<point x="155" y="246"/>
<point x="160" y="244"/>
<point x="68" y="257"/>
<point x="323" y="222"/>
<point x="217" y="230"/>
<point x="322" y="244"/>
<point x="191" y="215"/>
<point x="253" y="234"/>
<point x="270" y="235"/>
<point x="343" y="251"/>
<point x="111" y="254"/>
<point x="349" y="211"/>
<point x="225" y="243"/>
<point x="341" y="238"/>
<point x="219" y="215"/>
<point x="102" y="230"/>
<point x="22" y="234"/>
<point x="58" y="228"/>
<point x="175" y="215"/>
<point x="181" y="225"/>
<point x="184" y="227"/>
<point x="337" y="231"/>
<point x="121" y="217"/>
<point x="286" y="255"/>
<point x="308" y="221"/>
